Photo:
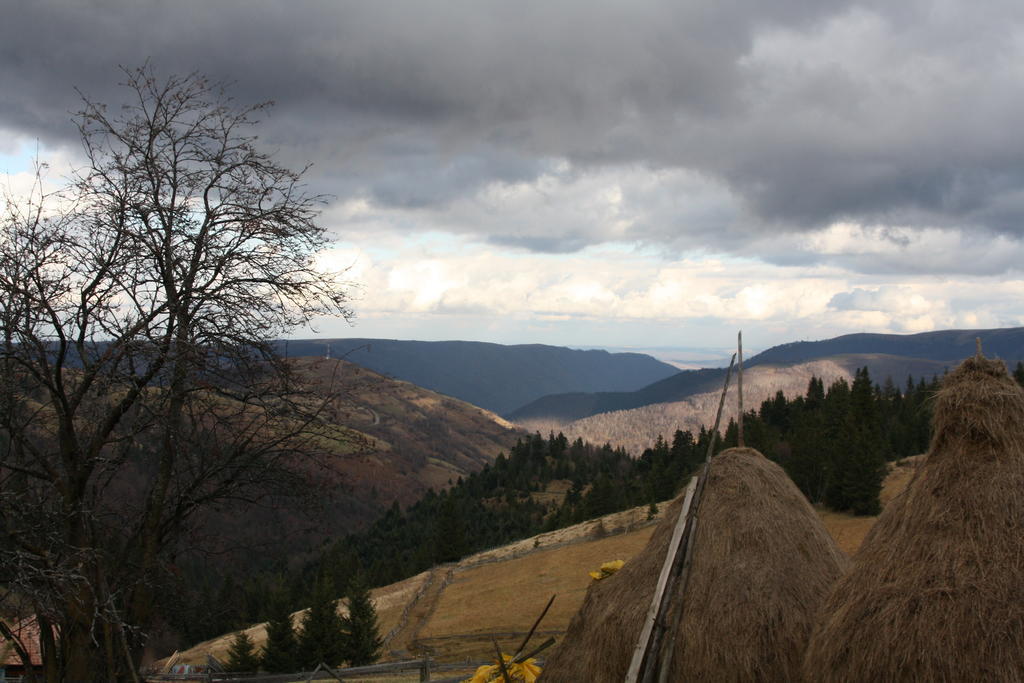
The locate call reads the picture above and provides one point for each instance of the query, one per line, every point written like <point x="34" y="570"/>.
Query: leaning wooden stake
<point x="646" y="662"/>
<point x="665" y="655"/>
<point x="643" y="645"/>
<point x="739" y="389"/>
<point x="533" y="628"/>
<point x="505" y="676"/>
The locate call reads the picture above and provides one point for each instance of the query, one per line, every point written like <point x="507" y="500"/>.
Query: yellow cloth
<point x="521" y="672"/>
<point x="607" y="569"/>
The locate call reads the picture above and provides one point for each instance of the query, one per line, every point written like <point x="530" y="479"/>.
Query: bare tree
<point x="139" y="382"/>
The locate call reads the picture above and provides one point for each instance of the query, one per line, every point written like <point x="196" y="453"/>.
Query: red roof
<point x="27" y="633"/>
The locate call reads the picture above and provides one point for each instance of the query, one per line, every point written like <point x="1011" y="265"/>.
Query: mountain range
<point x="885" y="355"/>
<point x="496" y="377"/>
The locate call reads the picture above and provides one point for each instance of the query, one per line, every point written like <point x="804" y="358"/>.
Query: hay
<point x="762" y="564"/>
<point x="936" y="592"/>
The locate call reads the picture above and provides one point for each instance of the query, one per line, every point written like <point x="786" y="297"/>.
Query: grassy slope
<point x="455" y="610"/>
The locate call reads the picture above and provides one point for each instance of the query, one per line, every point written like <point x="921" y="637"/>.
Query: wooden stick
<point x="683" y="580"/>
<point x="533" y="628"/>
<point x="718" y="415"/>
<point x="540" y="648"/>
<point x="665" y="657"/>
<point x="642" y="646"/>
<point x="501" y="663"/>
<point x="739" y="386"/>
<point x="646" y="661"/>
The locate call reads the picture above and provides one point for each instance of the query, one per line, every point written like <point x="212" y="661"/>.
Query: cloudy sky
<point x="620" y="174"/>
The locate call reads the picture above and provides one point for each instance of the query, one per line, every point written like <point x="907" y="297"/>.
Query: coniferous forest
<point x="833" y="441"/>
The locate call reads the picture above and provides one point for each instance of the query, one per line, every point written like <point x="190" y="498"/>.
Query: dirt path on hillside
<point x="402" y="641"/>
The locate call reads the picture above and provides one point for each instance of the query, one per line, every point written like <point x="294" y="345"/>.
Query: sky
<point x="637" y="174"/>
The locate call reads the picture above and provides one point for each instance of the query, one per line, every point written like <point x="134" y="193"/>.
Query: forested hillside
<point x="637" y="429"/>
<point x="695" y="386"/>
<point x="543" y="483"/>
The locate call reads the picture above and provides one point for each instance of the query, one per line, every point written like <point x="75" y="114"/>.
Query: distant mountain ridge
<point x="497" y="377"/>
<point x="943" y="345"/>
<point x="884" y="355"/>
<point x="637" y="428"/>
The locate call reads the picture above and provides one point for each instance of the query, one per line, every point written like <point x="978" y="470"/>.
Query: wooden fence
<point x="422" y="665"/>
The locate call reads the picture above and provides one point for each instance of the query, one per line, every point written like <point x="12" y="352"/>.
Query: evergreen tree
<point x="280" y="653"/>
<point x="809" y="463"/>
<point x="449" y="532"/>
<point x="361" y="631"/>
<point x="601" y="499"/>
<point x="242" y="655"/>
<point x="863" y="476"/>
<point x="321" y="639"/>
<point x="859" y="461"/>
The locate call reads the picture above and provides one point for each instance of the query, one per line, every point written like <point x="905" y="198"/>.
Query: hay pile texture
<point x="762" y="565"/>
<point x="936" y="592"/>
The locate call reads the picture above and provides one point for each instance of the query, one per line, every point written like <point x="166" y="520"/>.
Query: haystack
<point x="936" y="591"/>
<point x="762" y="564"/>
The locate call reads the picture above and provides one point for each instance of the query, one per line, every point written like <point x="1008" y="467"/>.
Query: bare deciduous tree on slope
<point x="139" y="385"/>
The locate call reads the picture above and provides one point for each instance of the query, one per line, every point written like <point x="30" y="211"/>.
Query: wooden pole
<point x="647" y="656"/>
<point x="501" y="663"/>
<point x="533" y="628"/>
<point x="537" y="650"/>
<point x="739" y="386"/>
<point x="718" y="415"/>
<point x="644" y="643"/>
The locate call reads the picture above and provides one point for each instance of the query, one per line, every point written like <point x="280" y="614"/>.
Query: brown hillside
<point x="390" y="441"/>
<point x="417" y="438"/>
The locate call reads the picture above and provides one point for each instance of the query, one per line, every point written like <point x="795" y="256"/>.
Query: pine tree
<point x="320" y="640"/>
<point x="361" y="631"/>
<point x="449" y="532"/>
<point x="281" y="649"/>
<point x="601" y="499"/>
<point x="859" y="463"/>
<point x="863" y="476"/>
<point x="242" y="655"/>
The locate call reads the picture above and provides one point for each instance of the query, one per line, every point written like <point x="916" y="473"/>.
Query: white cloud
<point x="447" y="278"/>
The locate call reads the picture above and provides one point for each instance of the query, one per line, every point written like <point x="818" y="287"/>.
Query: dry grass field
<point x="503" y="598"/>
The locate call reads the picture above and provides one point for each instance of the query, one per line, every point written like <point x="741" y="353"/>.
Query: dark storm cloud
<point x="806" y="113"/>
